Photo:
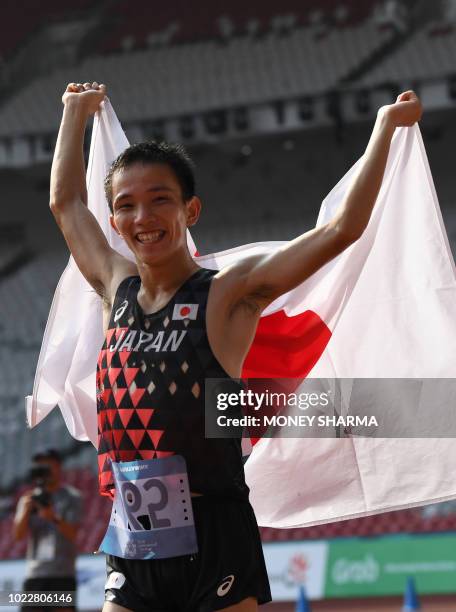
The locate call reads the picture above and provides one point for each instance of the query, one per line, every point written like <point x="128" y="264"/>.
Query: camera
<point x="39" y="475"/>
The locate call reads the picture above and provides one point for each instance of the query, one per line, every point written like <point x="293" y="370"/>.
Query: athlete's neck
<point x="160" y="282"/>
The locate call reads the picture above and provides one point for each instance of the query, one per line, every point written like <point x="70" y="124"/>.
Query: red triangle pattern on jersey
<point x="102" y="420"/>
<point x="118" y="434"/>
<point x="111" y="412"/>
<point x="113" y="373"/>
<point x="101" y="460"/>
<point x="109" y="356"/>
<point x="104" y="465"/>
<point x="136" y="396"/>
<point x="118" y="333"/>
<point x="123" y="356"/>
<point x="155" y="435"/>
<point x="102" y="357"/>
<point x="119" y="395"/>
<point x="130" y="374"/>
<point x="108" y="438"/>
<point x="125" y="415"/>
<point x="147" y="454"/>
<point x="129" y="455"/>
<point x="145" y="414"/>
<point x="105" y="395"/>
<point x="136" y="436"/>
<point x="109" y="334"/>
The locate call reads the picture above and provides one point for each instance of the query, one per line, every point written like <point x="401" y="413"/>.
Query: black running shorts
<point x="228" y="567"/>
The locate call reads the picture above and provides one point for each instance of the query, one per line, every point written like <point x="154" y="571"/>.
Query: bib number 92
<point x="134" y="503"/>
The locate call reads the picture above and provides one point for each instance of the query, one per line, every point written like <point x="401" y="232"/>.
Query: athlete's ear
<point x="193" y="210"/>
<point x="113" y="224"/>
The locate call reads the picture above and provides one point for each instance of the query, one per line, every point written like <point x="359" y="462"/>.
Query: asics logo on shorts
<point x="226" y="585"/>
<point x="115" y="581"/>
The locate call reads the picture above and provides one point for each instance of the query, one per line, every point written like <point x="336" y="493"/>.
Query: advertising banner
<point x="291" y="564"/>
<point x="346" y="567"/>
<point x="380" y="566"/>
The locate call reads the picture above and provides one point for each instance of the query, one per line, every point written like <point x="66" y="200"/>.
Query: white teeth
<point x="150" y="236"/>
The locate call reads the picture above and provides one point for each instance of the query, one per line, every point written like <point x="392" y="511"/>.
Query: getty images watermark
<point x="330" y="408"/>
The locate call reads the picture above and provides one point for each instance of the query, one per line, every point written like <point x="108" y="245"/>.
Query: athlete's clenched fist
<point x="86" y="95"/>
<point x="406" y="111"/>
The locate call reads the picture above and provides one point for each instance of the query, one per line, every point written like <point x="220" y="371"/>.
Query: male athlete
<point x="170" y="324"/>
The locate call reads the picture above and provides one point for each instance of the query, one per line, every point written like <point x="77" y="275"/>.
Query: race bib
<point x="152" y="516"/>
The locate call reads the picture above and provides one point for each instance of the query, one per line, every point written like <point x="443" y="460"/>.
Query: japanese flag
<point x="185" y="311"/>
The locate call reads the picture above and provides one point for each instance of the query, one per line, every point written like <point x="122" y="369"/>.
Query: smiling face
<point x="149" y="211"/>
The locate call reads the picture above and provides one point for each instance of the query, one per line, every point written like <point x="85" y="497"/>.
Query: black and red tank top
<point x="150" y="389"/>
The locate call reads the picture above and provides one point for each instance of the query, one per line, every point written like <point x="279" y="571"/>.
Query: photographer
<point x="49" y="515"/>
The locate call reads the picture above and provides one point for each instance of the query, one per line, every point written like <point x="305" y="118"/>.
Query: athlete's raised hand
<point x="87" y="95"/>
<point x="406" y="111"/>
<point x="102" y="267"/>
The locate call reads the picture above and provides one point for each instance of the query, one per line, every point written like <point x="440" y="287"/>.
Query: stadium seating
<point x="402" y="521"/>
<point x="193" y="78"/>
<point x="428" y="54"/>
<point x="25" y="297"/>
<point x="123" y="19"/>
<point x="24" y="21"/>
<point x="135" y="21"/>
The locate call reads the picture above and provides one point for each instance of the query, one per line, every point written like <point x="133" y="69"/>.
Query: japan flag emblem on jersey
<point x="185" y="311"/>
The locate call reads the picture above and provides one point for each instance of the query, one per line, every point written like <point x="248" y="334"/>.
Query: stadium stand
<point x="149" y="84"/>
<point x="427" y="54"/>
<point x="13" y="247"/>
<point x="28" y="17"/>
<point x="25" y="297"/>
<point x="135" y="21"/>
<point x="122" y="19"/>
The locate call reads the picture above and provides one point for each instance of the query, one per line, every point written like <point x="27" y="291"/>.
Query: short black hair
<point x="153" y="152"/>
<point x="49" y="453"/>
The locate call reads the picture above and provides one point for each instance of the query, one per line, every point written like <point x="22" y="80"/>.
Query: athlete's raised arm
<point x="99" y="263"/>
<point x="264" y="278"/>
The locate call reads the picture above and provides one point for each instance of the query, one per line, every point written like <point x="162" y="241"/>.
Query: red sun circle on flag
<point x="184" y="311"/>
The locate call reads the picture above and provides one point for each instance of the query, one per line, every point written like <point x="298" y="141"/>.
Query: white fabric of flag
<point x="389" y="302"/>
